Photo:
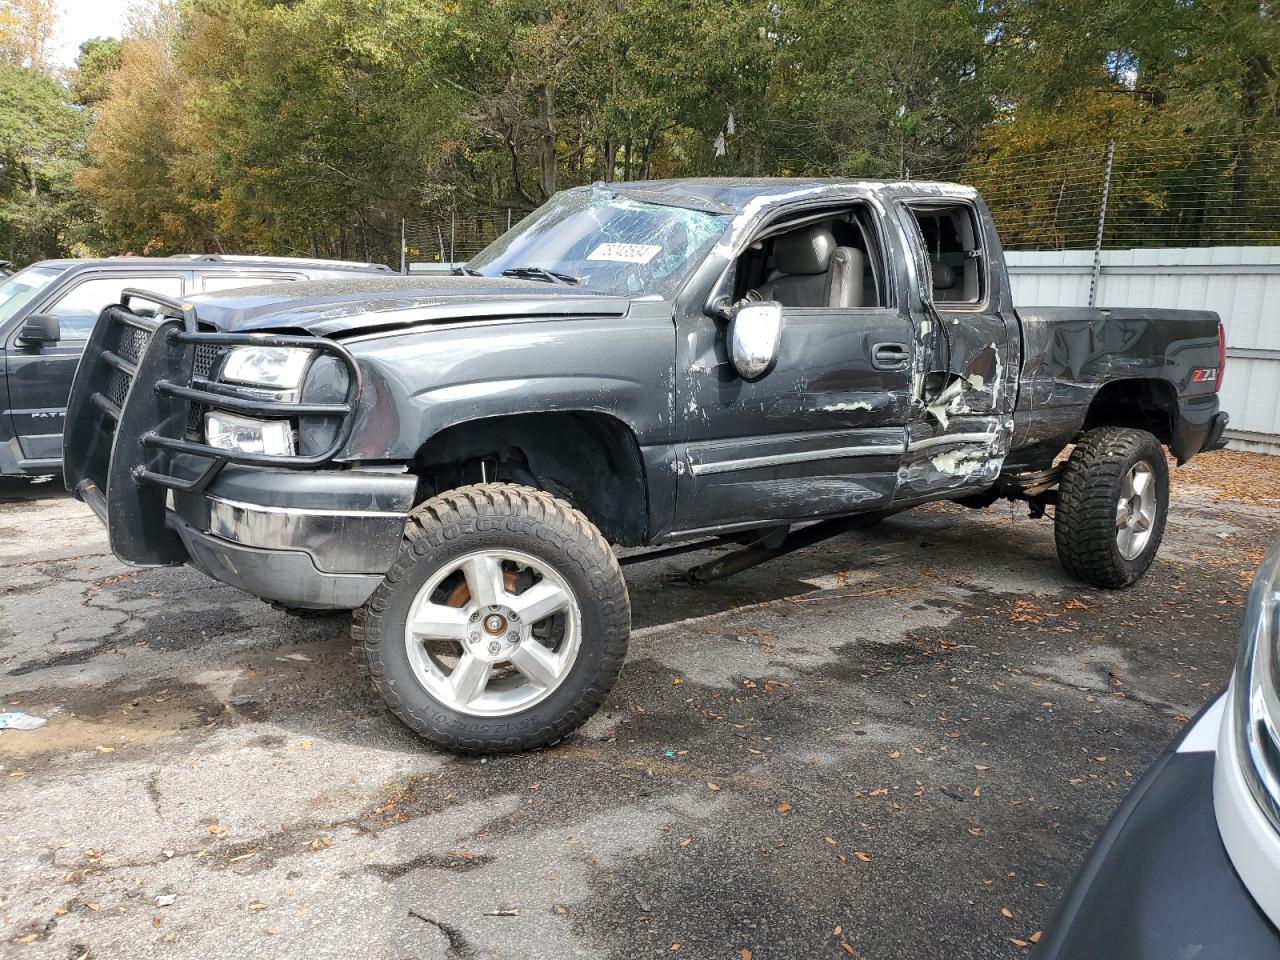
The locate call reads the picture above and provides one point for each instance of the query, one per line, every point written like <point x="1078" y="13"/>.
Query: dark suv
<point x="48" y="309"/>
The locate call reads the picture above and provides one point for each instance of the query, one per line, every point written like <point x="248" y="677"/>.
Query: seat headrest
<point x="805" y="251"/>
<point x="944" y="278"/>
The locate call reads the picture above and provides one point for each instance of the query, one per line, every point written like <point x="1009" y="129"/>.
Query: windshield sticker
<point x="625" y="252"/>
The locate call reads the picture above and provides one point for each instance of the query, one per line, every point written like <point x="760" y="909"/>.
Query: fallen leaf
<point x="1017" y="943"/>
<point x="1008" y="914"/>
<point x="979" y="766"/>
<point x="864" y="857"/>
<point x="1035" y="937"/>
<point x="257" y="905"/>
<point x="783" y="807"/>
<point x="745" y="953"/>
<point x="848" y="949"/>
<point x="712" y="786"/>
<point x="895" y="755"/>
<point x="105" y="749"/>
<point x="92" y="905"/>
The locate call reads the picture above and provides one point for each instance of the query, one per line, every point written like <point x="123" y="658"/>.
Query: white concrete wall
<point x="1241" y="283"/>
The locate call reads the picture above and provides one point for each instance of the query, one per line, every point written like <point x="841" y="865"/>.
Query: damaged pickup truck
<point x="665" y="365"/>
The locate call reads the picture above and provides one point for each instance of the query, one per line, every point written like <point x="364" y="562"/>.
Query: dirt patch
<point x="1233" y="475"/>
<point x="107" y="719"/>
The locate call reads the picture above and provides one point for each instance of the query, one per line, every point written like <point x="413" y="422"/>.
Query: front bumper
<point x="1159" y="883"/>
<point x="319" y="539"/>
<point x="276" y="526"/>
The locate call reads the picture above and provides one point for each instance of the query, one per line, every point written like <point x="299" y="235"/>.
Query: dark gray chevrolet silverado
<point x="760" y="363"/>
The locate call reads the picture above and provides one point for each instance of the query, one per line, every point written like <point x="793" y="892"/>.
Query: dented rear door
<point x="970" y="354"/>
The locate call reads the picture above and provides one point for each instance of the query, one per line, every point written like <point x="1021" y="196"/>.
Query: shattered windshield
<point x="596" y="239"/>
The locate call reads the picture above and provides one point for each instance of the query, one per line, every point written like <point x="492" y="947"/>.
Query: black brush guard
<point x="135" y="395"/>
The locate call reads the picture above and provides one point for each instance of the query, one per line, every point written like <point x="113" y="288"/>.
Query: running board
<point x="777" y="542"/>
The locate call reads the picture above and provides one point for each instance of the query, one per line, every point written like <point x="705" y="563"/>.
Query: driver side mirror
<point x="755" y="337"/>
<point x="40" y="328"/>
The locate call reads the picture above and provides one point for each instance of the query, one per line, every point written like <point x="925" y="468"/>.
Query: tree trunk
<point x="547" y="154"/>
<point x="1257" y="72"/>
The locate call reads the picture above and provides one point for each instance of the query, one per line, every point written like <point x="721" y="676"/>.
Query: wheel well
<point x="590" y="459"/>
<point x="1150" y="405"/>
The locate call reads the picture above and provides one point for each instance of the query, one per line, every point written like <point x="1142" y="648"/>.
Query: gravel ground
<point x="900" y="743"/>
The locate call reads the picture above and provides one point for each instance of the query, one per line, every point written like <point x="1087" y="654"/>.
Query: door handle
<point x="890" y="356"/>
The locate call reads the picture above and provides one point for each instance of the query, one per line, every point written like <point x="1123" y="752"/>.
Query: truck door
<point x="40" y="375"/>
<point x="823" y="433"/>
<point x="970" y="392"/>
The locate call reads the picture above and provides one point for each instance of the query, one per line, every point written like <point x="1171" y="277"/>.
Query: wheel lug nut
<point x="513" y="637"/>
<point x="514" y="616"/>
<point x="475" y="616"/>
<point x="473" y="637"/>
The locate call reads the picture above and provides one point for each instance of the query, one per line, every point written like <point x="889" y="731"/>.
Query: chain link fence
<point x="1172" y="192"/>
<point x="457" y="232"/>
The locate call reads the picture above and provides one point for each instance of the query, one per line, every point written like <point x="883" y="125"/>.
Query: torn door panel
<point x="970" y="454"/>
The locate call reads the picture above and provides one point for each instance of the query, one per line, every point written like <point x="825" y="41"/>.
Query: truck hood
<point x="347" y="306"/>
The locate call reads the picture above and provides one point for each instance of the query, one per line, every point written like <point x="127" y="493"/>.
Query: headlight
<point x="279" y="367"/>
<point x="327" y="382"/>
<point x="247" y="435"/>
<point x="1257" y="688"/>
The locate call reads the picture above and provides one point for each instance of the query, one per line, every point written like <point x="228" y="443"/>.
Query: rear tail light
<point x="1222" y="356"/>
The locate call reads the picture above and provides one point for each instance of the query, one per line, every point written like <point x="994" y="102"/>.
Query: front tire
<point x="501" y="626"/>
<point x="1112" y="502"/>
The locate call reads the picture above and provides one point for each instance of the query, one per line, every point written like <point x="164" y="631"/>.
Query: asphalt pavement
<point x="897" y="744"/>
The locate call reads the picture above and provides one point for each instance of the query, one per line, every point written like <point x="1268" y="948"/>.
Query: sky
<point x="82" y="19"/>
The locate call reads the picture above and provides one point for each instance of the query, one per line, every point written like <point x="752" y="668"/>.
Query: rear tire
<point x="456" y="638"/>
<point x="1112" y="502"/>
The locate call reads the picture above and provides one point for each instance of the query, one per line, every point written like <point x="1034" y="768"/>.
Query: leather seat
<point x="845" y="278"/>
<point x="944" y="282"/>
<point x="813" y="272"/>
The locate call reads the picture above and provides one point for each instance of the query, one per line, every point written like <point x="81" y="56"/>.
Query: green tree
<point x="41" y="138"/>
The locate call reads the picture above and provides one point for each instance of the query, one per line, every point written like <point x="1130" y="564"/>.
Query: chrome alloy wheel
<point x="493" y="633"/>
<point x="1136" y="511"/>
